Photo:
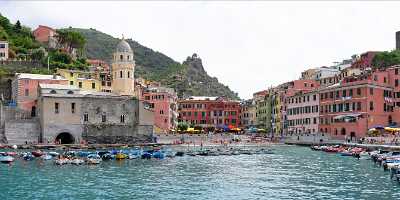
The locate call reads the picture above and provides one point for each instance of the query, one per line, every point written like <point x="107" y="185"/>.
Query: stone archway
<point x="65" y="138"/>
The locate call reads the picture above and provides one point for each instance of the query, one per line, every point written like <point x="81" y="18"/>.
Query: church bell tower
<point x="123" y="69"/>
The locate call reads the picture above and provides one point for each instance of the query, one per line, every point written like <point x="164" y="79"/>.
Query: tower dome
<point x="124" y="47"/>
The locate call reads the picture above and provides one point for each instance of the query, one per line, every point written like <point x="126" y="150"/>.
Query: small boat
<point x="37" y="153"/>
<point x="77" y="161"/>
<point x="27" y="156"/>
<point x="6" y="159"/>
<point x="146" y="155"/>
<point x="61" y="161"/>
<point x="53" y="153"/>
<point x="346" y="153"/>
<point x="107" y="156"/>
<point x="192" y="153"/>
<point x="133" y="156"/>
<point x="158" y="155"/>
<point x="120" y="156"/>
<point x="93" y="159"/>
<point x="46" y="157"/>
<point x="180" y="153"/>
<point x="11" y="153"/>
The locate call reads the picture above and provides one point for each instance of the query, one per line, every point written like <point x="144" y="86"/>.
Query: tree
<point x="18" y="26"/>
<point x="386" y="59"/>
<point x="70" y="39"/>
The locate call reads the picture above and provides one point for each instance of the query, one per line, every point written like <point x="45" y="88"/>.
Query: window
<point x="71" y="82"/>
<point x="80" y="84"/>
<point x="384" y="79"/>
<point x="85" y="117"/>
<point x="127" y="57"/>
<point x="93" y="85"/>
<point x="314" y="97"/>
<point x="375" y="78"/>
<point x="26" y="92"/>
<point x="72" y="107"/>
<point x="121" y="57"/>
<point x="120" y="74"/>
<point x="344" y="93"/>
<point x="161" y="112"/>
<point x="396" y="71"/>
<point x="337" y="94"/>
<point x="351" y="92"/>
<point x="371" y="105"/>
<point x="2" y="46"/>
<point x="358" y="91"/>
<point x="122" y="118"/>
<point x="129" y="74"/>
<point x="56" y="108"/>
<point x="358" y="106"/>
<point x="371" y="91"/>
<point x="103" y="117"/>
<point x="396" y="82"/>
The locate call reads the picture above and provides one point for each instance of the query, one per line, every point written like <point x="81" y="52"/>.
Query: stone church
<point x="67" y="114"/>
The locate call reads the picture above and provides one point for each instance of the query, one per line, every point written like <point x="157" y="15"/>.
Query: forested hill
<point x="188" y="78"/>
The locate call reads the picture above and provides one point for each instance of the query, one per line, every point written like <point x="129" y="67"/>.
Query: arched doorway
<point x="65" y="138"/>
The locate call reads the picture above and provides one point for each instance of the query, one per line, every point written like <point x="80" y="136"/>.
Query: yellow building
<point x="81" y="79"/>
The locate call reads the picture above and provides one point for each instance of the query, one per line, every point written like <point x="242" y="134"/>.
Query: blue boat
<point x="158" y="155"/>
<point x="146" y="155"/>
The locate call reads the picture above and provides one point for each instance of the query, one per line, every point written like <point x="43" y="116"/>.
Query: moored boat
<point x="6" y="159"/>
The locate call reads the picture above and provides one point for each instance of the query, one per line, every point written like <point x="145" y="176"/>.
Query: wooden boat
<point x="6" y="159"/>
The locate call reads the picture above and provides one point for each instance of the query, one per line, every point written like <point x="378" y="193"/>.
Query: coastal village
<point x="352" y="100"/>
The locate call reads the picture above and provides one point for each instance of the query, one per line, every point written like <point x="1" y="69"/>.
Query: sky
<point x="248" y="46"/>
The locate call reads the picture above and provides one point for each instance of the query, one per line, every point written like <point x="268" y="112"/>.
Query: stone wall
<point x="115" y="133"/>
<point x="22" y="131"/>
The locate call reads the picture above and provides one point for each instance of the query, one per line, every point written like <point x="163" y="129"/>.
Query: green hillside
<point x="188" y="78"/>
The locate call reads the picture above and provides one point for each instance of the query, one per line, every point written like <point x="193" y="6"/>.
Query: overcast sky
<point x="248" y="46"/>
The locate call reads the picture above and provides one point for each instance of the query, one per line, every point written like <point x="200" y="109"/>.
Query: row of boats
<point x="388" y="160"/>
<point x="96" y="157"/>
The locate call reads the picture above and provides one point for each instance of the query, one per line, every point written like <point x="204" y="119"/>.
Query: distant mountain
<point x="188" y="78"/>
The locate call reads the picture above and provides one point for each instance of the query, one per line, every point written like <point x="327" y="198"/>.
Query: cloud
<point x="247" y="45"/>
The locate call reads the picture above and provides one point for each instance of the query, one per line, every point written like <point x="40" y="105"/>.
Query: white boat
<point x="53" y="153"/>
<point x="61" y="161"/>
<point x="7" y="159"/>
<point x="133" y="156"/>
<point x="77" y="161"/>
<point x="93" y="159"/>
<point x="46" y="157"/>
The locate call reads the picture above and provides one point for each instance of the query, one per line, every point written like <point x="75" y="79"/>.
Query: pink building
<point x="348" y="109"/>
<point x="25" y="89"/>
<point x="302" y="113"/>
<point x="43" y="33"/>
<point x="163" y="101"/>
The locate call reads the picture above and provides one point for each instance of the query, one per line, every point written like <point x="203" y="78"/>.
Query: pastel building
<point x="82" y="79"/>
<point x="45" y="35"/>
<point x="25" y="89"/>
<point x="162" y="101"/>
<point x="348" y="109"/>
<point x="3" y="50"/>
<point x="214" y="112"/>
<point x="302" y="113"/>
<point x="248" y="113"/>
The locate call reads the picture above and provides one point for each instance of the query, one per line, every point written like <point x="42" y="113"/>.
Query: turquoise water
<point x="292" y="173"/>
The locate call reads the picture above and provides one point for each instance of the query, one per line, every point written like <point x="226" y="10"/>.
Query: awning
<point x="347" y="116"/>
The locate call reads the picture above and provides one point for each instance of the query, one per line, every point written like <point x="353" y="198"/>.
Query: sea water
<point x="291" y="173"/>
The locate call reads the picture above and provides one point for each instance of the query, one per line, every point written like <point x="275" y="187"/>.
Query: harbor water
<point x="291" y="173"/>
